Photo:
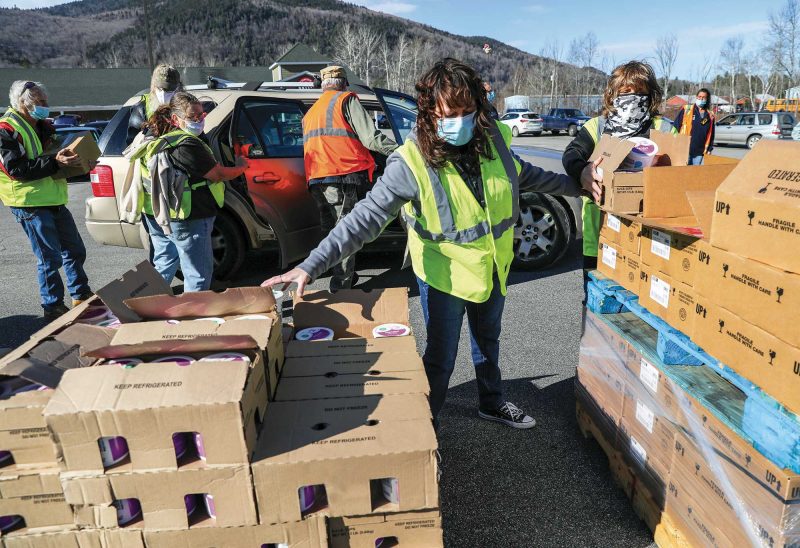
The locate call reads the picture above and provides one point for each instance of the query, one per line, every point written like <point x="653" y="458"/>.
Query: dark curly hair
<point x="455" y="84"/>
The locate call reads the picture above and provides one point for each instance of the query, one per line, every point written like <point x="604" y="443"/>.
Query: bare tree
<point x="346" y="47"/>
<point x="731" y="62"/>
<point x="784" y="29"/>
<point x="368" y="41"/>
<point x="666" y="55"/>
<point x="553" y="52"/>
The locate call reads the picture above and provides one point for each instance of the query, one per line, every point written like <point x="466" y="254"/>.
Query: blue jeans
<point x="188" y="247"/>
<point x="444" y="315"/>
<point x="55" y="242"/>
<point x="696" y="160"/>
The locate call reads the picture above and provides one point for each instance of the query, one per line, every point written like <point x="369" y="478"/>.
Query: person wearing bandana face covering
<point x="457" y="183"/>
<point x="630" y="109"/>
<point x="180" y="236"/>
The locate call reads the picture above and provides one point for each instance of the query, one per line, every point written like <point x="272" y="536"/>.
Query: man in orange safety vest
<point x="697" y="121"/>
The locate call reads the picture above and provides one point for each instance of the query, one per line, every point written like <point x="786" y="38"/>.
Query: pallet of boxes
<point x="145" y="419"/>
<point x="689" y="369"/>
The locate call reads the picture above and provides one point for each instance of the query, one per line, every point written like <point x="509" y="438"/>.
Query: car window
<point x="728" y="120"/>
<point x="747" y="120"/>
<point x="403" y="112"/>
<point x="764" y="119"/>
<point x="115" y="137"/>
<point x="507" y="117"/>
<point x="274" y="130"/>
<point x="788" y="119"/>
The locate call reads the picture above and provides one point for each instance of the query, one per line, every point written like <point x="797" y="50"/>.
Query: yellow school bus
<point x="782" y="105"/>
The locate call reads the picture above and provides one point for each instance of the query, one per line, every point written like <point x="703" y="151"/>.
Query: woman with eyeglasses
<point x="37" y="196"/>
<point x="180" y="222"/>
<point x="457" y="182"/>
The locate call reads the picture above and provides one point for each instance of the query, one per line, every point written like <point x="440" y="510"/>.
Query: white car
<point x="523" y="122"/>
<point x="796" y="133"/>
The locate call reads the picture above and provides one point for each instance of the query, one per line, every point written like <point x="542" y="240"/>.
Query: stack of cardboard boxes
<point x="349" y="435"/>
<point x="160" y="421"/>
<point x="715" y="264"/>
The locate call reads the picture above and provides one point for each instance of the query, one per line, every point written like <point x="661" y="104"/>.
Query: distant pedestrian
<point x="630" y="109"/>
<point x="180" y="215"/>
<point x="490" y="97"/>
<point x="697" y="121"/>
<point x="338" y="135"/>
<point x="457" y="183"/>
<point x="164" y="83"/>
<point x="29" y="185"/>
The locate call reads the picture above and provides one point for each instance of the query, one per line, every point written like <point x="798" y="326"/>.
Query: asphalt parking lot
<point x="500" y="487"/>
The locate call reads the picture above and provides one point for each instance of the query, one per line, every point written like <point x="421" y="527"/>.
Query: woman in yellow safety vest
<point x="164" y="83"/>
<point x="180" y="233"/>
<point x="31" y="187"/>
<point x="457" y="183"/>
<point x="630" y="109"/>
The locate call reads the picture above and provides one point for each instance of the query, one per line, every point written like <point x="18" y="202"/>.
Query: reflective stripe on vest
<point x="590" y="213"/>
<point x="330" y="145"/>
<point x="455" y="243"/>
<point x="686" y="125"/>
<point x="46" y="191"/>
<point x="172" y="140"/>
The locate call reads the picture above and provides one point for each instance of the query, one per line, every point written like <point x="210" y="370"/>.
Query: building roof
<point x="300" y="53"/>
<point x="685" y="99"/>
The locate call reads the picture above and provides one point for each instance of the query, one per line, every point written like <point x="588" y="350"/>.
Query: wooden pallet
<point x="668" y="535"/>
<point x="755" y="415"/>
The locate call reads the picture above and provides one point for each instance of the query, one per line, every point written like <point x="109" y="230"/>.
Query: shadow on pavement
<point x="547" y="486"/>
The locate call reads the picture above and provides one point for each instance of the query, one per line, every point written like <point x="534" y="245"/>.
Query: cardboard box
<point x="346" y="447"/>
<point x="657" y="191"/>
<point x="351" y="312"/>
<point x="672" y="301"/>
<point x="147" y="404"/>
<point x="309" y="533"/>
<point x="412" y="529"/>
<point x="670" y="253"/>
<point x="728" y="488"/>
<point x="23" y="432"/>
<point x="372" y="363"/>
<point x="84" y="145"/>
<point x="765" y="360"/>
<point x="85" y="538"/>
<point x="758" y="293"/>
<point x="229" y="305"/>
<point x="386" y="382"/>
<point x="757" y="209"/>
<point x="621" y="231"/>
<point x="161" y="496"/>
<point x="37" y="497"/>
<point x="697" y="527"/>
<point x="601" y="369"/>
<point x="620" y="265"/>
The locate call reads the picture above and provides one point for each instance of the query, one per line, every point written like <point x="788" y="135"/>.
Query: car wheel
<point x="752" y="140"/>
<point x="572" y="130"/>
<point x="537" y="133"/>
<point x="542" y="233"/>
<point x="515" y="131"/>
<point x="228" y="245"/>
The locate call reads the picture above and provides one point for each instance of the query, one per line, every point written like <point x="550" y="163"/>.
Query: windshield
<point x="403" y="112"/>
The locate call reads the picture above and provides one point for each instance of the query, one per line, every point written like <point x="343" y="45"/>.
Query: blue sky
<point x="625" y="29"/>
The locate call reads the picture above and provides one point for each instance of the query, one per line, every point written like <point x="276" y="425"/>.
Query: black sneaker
<point x="508" y="414"/>
<point x="54" y="312"/>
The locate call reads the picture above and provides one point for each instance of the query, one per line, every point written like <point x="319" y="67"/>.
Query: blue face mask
<point x="491" y="96"/>
<point x="457" y="131"/>
<point x="195" y="128"/>
<point x="700" y="103"/>
<point x="39" y="112"/>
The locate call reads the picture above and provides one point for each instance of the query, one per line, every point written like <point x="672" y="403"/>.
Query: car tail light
<point x="102" y="179"/>
<point x="776" y="130"/>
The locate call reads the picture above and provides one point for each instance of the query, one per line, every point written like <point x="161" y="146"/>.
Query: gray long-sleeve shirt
<point x="396" y="187"/>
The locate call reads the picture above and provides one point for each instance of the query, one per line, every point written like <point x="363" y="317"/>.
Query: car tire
<point x="537" y="133"/>
<point x="572" y="130"/>
<point x="541" y="217"/>
<point x="228" y="245"/>
<point x="752" y="140"/>
<point x="514" y="131"/>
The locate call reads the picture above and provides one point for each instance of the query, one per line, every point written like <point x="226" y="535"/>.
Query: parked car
<point x="67" y="120"/>
<point x="65" y="131"/>
<point x="796" y="133"/>
<point x="523" y="122"/>
<point x="270" y="206"/>
<point x="564" y="119"/>
<point x="748" y="128"/>
<point x="99" y="125"/>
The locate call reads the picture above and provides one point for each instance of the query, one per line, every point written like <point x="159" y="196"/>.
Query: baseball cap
<point x="334" y="71"/>
<point x="166" y="77"/>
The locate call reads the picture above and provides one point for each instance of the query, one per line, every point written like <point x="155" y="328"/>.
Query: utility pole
<point x="149" y="38"/>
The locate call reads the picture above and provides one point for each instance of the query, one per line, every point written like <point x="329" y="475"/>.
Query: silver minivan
<point x="747" y="128"/>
